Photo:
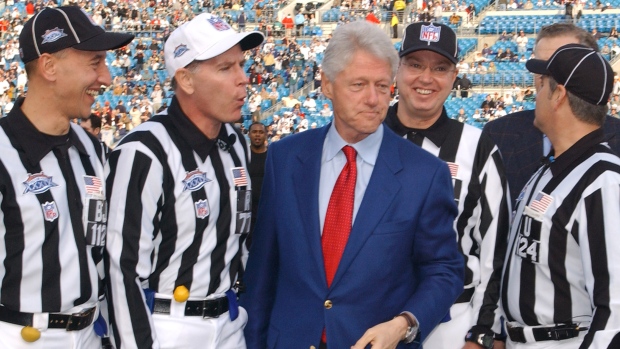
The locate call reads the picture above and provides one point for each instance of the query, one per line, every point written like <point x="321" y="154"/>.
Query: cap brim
<point x="247" y="41"/>
<point x="537" y="66"/>
<point x="452" y="59"/>
<point x="104" y="41"/>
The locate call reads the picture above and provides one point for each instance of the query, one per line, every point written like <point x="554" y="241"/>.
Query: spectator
<point x="486" y="51"/>
<point x="521" y="42"/>
<point x="326" y="112"/>
<point x="241" y="21"/>
<point x="394" y="24"/>
<point x="299" y="23"/>
<point x="471" y="12"/>
<point x="455" y="19"/>
<point x="288" y="24"/>
<point x="437" y="12"/>
<point x="310" y="104"/>
<point x="464" y="85"/>
<point x="290" y="101"/>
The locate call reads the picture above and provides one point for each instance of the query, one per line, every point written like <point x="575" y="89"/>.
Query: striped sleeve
<point x="491" y="233"/>
<point x="134" y="193"/>
<point x="598" y="219"/>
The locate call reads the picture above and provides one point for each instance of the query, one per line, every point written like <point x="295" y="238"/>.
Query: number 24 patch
<point x="528" y="249"/>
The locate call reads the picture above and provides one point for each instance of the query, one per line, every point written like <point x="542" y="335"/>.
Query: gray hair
<point x="357" y="36"/>
<point x="584" y="111"/>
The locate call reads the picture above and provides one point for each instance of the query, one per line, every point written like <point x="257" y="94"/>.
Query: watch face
<point x="486" y="341"/>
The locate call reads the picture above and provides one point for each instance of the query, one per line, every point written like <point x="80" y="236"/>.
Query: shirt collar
<point x="31" y="141"/>
<point x="367" y="148"/>
<point x="577" y="150"/>
<point x="436" y="133"/>
<point x="200" y="143"/>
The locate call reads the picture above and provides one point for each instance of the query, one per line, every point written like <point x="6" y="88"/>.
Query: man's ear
<point x="326" y="86"/>
<point x="47" y="66"/>
<point x="185" y="81"/>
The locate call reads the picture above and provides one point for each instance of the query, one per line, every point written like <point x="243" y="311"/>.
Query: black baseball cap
<point x="580" y="69"/>
<point x="430" y="36"/>
<point x="55" y="29"/>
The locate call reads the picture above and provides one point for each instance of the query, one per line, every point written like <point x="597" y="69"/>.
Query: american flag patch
<point x="454" y="169"/>
<point x="541" y="202"/>
<point x="239" y="177"/>
<point x="93" y="185"/>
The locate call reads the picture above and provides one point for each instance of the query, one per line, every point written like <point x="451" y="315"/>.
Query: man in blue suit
<point x="400" y="270"/>
<point x="521" y="144"/>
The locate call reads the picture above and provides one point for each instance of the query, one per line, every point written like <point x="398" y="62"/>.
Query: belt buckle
<point x="77" y="320"/>
<point x="563" y="331"/>
<point x="211" y="309"/>
<point x="516" y="334"/>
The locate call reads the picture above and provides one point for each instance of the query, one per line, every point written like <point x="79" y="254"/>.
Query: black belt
<point x="208" y="308"/>
<point x="465" y="297"/>
<point x="552" y="333"/>
<point x="70" y="322"/>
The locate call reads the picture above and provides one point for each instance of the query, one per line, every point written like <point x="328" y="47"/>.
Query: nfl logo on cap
<point x="218" y="23"/>
<point x="430" y="33"/>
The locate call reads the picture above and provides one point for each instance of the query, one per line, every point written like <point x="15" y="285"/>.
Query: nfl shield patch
<point x="218" y="23"/>
<point x="430" y="33"/>
<point x="50" y="211"/>
<point x="202" y="208"/>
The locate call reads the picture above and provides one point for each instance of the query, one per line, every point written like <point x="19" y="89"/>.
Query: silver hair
<point x="353" y="37"/>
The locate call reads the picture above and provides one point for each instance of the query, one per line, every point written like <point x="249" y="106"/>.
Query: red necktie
<point x="338" y="218"/>
<point x="339" y="215"/>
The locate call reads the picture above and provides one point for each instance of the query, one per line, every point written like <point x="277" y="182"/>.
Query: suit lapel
<point x="307" y="176"/>
<point x="381" y="190"/>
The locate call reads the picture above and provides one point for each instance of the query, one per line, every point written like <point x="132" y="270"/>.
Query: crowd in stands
<point x="284" y="73"/>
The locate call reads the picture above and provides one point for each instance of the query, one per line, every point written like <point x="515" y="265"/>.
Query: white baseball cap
<point x="206" y="36"/>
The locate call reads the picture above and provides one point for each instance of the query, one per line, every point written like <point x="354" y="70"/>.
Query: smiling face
<point x="422" y="95"/>
<point x="360" y="96"/>
<point x="80" y="74"/>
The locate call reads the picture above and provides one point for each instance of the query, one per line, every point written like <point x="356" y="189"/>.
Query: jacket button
<point x="328" y="304"/>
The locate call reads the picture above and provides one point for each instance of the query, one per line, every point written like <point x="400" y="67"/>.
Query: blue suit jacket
<point x="401" y="254"/>
<point x="521" y="145"/>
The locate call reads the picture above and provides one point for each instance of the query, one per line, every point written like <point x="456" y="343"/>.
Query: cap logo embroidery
<point x="180" y="50"/>
<point x="430" y="33"/>
<point x="218" y="23"/>
<point x="53" y="35"/>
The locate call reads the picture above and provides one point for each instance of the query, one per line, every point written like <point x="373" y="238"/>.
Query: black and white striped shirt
<point x="170" y="225"/>
<point x="482" y="196"/>
<point x="563" y="264"/>
<point x="52" y="217"/>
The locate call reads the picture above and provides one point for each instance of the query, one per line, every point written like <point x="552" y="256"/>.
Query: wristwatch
<point x="482" y="338"/>
<point x="412" y="330"/>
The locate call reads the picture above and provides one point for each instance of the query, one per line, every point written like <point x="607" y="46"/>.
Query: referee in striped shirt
<point x="561" y="283"/>
<point x="480" y="188"/>
<point x="52" y="194"/>
<point x="180" y="201"/>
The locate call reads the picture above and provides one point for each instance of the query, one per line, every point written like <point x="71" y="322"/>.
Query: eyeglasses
<point x="439" y="71"/>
